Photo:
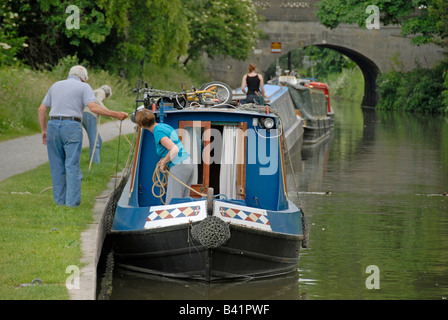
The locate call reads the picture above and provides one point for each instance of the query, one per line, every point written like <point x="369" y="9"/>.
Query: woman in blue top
<point x="172" y="152"/>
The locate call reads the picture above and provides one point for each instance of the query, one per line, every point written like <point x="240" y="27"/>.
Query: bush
<point x="445" y="92"/>
<point x="420" y="90"/>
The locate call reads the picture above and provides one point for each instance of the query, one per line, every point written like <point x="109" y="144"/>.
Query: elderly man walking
<point x="63" y="135"/>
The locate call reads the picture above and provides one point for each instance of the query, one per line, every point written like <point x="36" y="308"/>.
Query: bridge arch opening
<point x="368" y="68"/>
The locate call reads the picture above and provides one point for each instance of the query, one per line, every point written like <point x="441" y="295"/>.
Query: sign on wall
<point x="276" y="47"/>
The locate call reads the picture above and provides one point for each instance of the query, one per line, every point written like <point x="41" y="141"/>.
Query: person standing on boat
<point x="63" y="133"/>
<point x="255" y="85"/>
<point x="172" y="152"/>
<point x="90" y="122"/>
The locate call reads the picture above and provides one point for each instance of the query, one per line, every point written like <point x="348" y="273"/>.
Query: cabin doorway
<point x="218" y="149"/>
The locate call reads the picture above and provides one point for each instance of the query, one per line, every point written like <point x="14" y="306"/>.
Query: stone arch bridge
<point x="293" y="24"/>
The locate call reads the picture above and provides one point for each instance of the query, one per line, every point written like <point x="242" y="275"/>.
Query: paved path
<point x="24" y="154"/>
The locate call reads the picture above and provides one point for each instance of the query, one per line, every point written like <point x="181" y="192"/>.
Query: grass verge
<point x="22" y="90"/>
<point x="39" y="239"/>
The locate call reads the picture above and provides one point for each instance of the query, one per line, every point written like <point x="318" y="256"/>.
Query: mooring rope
<point x="304" y="216"/>
<point x="160" y="180"/>
<point x="127" y="166"/>
<point x="119" y="127"/>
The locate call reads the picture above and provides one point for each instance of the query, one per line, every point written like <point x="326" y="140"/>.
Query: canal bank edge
<point x="85" y="286"/>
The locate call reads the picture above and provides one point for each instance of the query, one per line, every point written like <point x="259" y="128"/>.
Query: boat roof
<point x="272" y="92"/>
<point x="240" y="110"/>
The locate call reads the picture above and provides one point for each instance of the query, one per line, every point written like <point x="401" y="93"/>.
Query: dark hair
<point x="145" y="118"/>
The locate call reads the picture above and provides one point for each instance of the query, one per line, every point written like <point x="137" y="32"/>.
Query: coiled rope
<point x="160" y="180"/>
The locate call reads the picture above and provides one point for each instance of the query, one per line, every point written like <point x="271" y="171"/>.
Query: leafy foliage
<point x="445" y="92"/>
<point x="10" y="41"/>
<point x="222" y="27"/>
<point x="420" y="90"/>
<point x="121" y="35"/>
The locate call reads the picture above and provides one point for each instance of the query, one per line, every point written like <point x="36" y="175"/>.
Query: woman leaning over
<point x="172" y="152"/>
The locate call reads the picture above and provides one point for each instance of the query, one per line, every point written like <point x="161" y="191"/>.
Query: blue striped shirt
<point x="68" y="98"/>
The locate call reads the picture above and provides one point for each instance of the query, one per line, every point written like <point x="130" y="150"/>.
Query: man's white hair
<point x="80" y="72"/>
<point x="107" y="90"/>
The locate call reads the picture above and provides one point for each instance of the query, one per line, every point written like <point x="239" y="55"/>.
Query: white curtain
<point x="192" y="143"/>
<point x="229" y="156"/>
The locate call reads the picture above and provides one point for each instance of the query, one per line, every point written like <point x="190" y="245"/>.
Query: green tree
<point x="439" y="11"/>
<point x="111" y="33"/>
<point x="43" y="23"/>
<point x="222" y="27"/>
<point x="10" y="41"/>
<point x="121" y="35"/>
<point x="154" y="31"/>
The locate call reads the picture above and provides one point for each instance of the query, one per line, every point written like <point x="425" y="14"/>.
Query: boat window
<point x="233" y="161"/>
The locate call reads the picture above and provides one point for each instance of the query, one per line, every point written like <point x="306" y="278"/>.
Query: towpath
<point x="23" y="154"/>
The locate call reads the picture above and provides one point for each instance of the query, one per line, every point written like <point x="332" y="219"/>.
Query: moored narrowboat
<point x="237" y="222"/>
<point x="311" y="100"/>
<point x="326" y="91"/>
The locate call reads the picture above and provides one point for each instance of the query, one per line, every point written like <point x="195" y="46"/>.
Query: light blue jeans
<point x="64" y="144"/>
<point x="89" y="122"/>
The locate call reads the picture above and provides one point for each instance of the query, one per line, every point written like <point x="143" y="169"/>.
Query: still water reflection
<point x="374" y="194"/>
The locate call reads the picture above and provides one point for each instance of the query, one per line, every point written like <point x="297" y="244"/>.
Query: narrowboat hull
<point x="252" y="242"/>
<point x="179" y="241"/>
<point x="172" y="252"/>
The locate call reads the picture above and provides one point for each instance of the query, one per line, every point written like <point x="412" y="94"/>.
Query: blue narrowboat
<point x="238" y="221"/>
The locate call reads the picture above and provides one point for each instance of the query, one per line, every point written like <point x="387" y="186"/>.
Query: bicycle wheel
<point x="219" y="93"/>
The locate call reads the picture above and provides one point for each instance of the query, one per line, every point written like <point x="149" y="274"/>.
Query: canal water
<point x="374" y="194"/>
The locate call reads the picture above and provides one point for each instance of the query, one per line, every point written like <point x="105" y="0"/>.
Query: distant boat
<point x="278" y="98"/>
<point x="241" y="224"/>
<point x="324" y="87"/>
<point x="312" y="103"/>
